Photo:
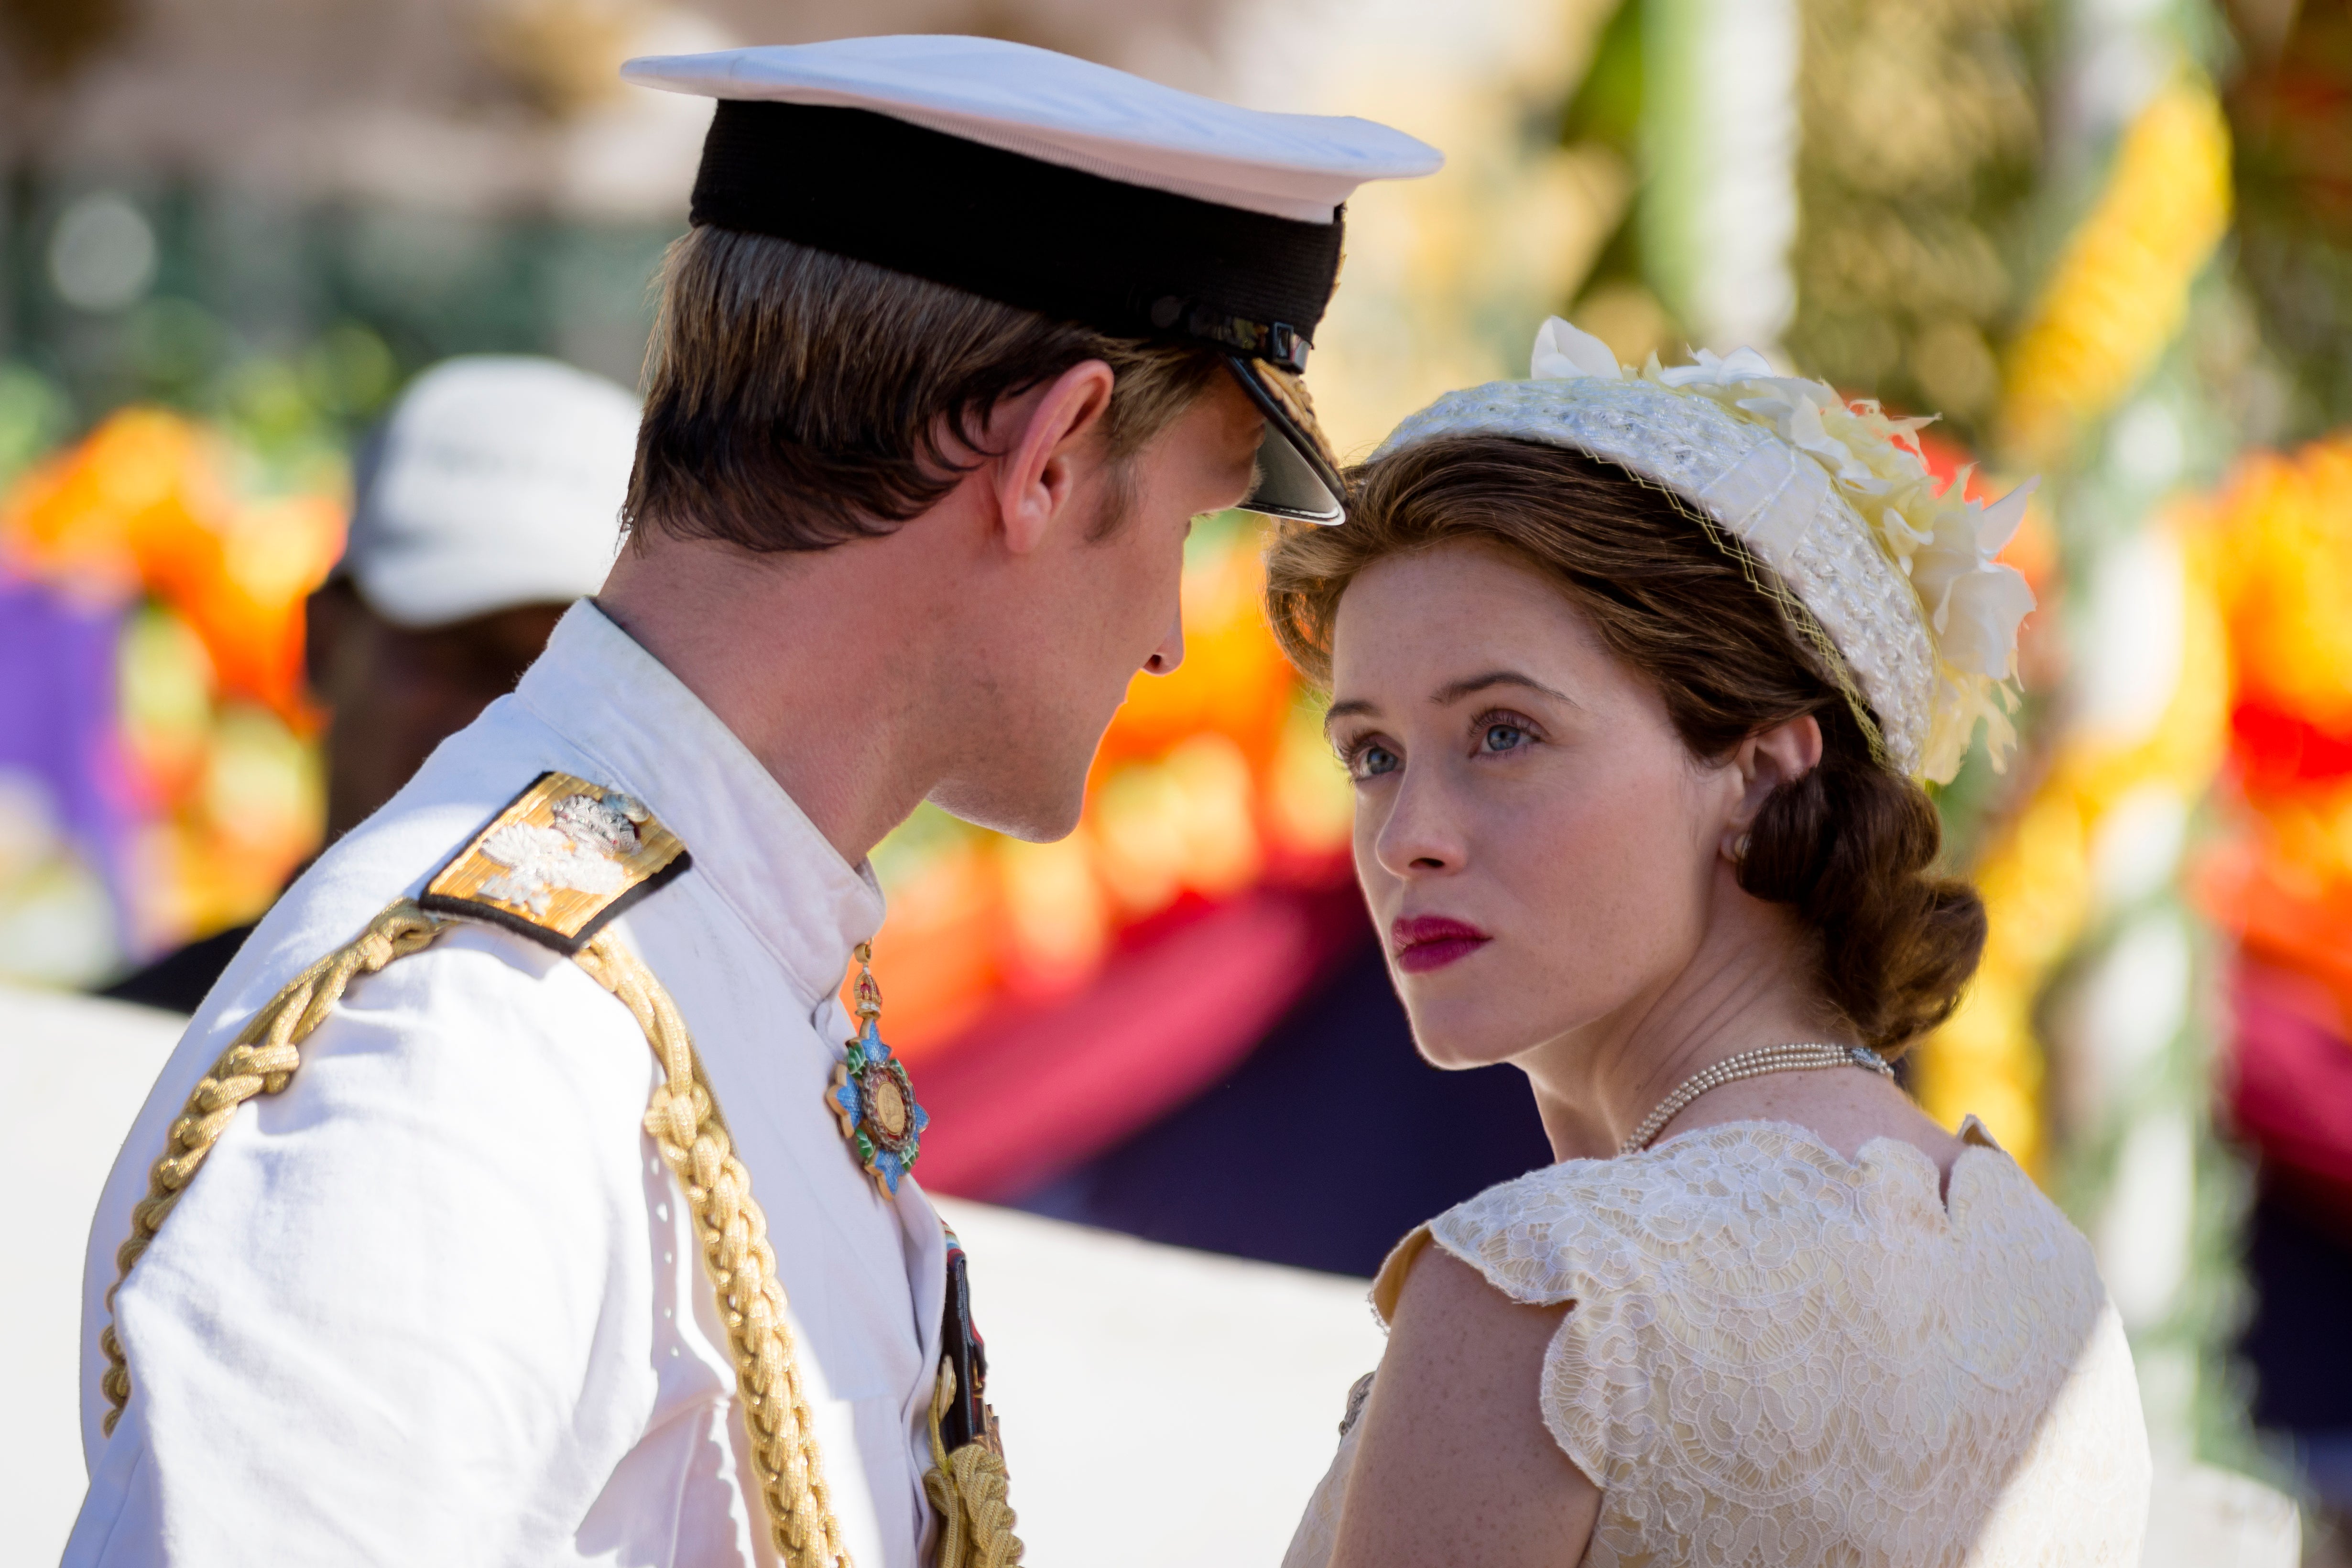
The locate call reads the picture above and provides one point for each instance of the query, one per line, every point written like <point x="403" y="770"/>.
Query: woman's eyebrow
<point x="1348" y="709"/>
<point x="1455" y="691"/>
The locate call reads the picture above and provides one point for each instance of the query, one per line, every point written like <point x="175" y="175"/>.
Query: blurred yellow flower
<point x="2120" y="289"/>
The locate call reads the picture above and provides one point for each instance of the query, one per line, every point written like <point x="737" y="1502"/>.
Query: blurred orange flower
<point x="143" y="505"/>
<point x="143" y="512"/>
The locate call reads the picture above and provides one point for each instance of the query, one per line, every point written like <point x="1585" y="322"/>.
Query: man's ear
<point x="1769" y="759"/>
<point x="1037" y="474"/>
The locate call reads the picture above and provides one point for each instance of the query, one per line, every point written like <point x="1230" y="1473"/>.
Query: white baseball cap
<point x="497" y="481"/>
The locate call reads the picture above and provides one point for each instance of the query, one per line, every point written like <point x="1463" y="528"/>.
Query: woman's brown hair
<point x="1849" y="846"/>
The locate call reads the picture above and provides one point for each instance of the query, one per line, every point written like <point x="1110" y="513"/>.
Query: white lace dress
<point x="1776" y="1356"/>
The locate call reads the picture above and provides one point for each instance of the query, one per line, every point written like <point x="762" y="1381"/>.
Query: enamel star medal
<point x="871" y="1095"/>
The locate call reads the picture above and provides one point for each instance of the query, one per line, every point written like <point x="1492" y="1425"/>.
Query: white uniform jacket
<point x="438" y="1301"/>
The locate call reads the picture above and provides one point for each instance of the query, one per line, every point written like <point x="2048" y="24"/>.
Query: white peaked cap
<point x="1058" y="110"/>
<point x="1061" y="187"/>
<point x="497" y="481"/>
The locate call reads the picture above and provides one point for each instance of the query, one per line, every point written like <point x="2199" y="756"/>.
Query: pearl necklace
<point x="1802" y="1056"/>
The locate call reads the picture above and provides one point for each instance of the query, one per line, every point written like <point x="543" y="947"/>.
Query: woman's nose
<point x="1420" y="837"/>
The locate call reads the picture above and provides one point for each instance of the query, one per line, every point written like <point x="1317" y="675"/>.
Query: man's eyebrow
<point x="1345" y="710"/>
<point x="1455" y="691"/>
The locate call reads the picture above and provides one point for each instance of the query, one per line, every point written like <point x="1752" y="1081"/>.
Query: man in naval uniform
<point x="431" y="1243"/>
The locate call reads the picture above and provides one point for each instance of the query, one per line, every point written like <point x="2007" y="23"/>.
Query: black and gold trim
<point x="1297" y="475"/>
<point x="557" y="863"/>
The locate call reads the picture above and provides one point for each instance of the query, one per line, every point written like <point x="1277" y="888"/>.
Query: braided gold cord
<point x="970" y="1490"/>
<point x="684" y="1122"/>
<point x="266" y="1052"/>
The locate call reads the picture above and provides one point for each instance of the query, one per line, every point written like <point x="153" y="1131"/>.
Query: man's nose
<point x="1171" y="651"/>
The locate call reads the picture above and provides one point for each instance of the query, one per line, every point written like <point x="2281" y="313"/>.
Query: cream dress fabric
<point x="1776" y="1356"/>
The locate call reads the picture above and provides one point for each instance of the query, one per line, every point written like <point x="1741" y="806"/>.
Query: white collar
<point x="651" y="737"/>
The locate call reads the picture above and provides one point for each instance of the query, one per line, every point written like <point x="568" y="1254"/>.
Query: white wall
<point x="77" y="1072"/>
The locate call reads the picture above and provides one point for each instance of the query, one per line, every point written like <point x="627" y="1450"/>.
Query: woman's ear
<point x="1763" y="762"/>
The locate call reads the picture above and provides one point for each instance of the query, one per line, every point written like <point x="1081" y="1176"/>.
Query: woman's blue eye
<point x="1503" y="737"/>
<point x="1375" y="760"/>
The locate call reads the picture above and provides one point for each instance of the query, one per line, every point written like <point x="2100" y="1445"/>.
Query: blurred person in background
<point x="487" y="501"/>
<point x="963" y="337"/>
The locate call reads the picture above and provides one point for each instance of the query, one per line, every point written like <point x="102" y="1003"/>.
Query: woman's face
<point x="1537" y="846"/>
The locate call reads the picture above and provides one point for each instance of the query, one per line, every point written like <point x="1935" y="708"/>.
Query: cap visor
<point x="1297" y="477"/>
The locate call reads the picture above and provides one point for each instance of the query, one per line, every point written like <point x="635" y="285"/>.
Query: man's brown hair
<point x="797" y="399"/>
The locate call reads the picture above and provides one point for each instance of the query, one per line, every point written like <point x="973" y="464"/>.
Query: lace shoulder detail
<point x="1778" y="1355"/>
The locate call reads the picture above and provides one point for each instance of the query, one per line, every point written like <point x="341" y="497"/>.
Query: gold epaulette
<point x="561" y="859"/>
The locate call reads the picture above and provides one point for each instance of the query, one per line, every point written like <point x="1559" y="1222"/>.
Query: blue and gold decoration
<point x="872" y="1095"/>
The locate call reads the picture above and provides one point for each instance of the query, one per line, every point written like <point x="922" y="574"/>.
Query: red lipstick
<point x="1433" y="941"/>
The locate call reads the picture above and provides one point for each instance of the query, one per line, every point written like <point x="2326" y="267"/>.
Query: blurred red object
<point x="1032" y="1090"/>
<point x="2290" y="1085"/>
<point x="2278" y="750"/>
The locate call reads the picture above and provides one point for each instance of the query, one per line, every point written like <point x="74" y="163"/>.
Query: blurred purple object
<point x="57" y="719"/>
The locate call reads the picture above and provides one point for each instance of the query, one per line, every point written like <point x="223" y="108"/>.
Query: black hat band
<point x="1126" y="260"/>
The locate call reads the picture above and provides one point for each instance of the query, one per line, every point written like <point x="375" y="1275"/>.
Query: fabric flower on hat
<point x="1970" y="604"/>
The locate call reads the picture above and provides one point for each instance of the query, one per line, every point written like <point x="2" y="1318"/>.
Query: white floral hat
<point x="1894" y="570"/>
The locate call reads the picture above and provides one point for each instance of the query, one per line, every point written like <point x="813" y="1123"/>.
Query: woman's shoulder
<point x="1753" y="1207"/>
<point x="1893" y="1312"/>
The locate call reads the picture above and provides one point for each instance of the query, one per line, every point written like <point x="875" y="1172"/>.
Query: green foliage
<point x="34" y="415"/>
<point x="1921" y="141"/>
<point x="2292" y="172"/>
<point x="1607" y="106"/>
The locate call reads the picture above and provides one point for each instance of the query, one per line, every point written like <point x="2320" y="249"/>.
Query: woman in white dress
<point x="1638" y="677"/>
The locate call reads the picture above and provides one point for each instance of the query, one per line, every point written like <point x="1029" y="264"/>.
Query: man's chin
<point x="1039" y="817"/>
